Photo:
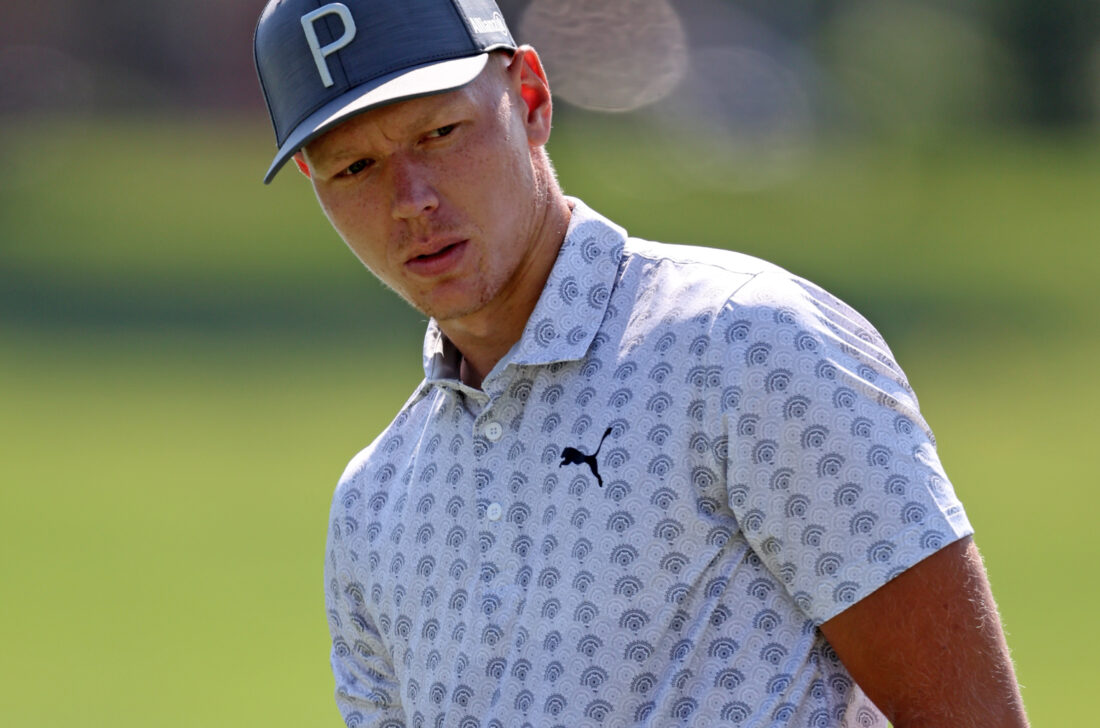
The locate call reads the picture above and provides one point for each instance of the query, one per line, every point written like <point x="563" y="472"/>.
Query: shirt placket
<point x="498" y="595"/>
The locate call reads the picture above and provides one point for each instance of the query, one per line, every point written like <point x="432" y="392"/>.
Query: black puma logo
<point x="573" y="456"/>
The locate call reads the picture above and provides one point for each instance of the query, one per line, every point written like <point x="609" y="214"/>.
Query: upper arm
<point x="367" y="688"/>
<point x="928" y="648"/>
<point x="832" y="472"/>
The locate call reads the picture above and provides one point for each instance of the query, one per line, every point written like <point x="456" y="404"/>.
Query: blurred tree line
<point x="108" y="55"/>
<point x="1056" y="44"/>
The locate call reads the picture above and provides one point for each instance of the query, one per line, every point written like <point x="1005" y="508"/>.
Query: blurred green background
<point x="189" y="358"/>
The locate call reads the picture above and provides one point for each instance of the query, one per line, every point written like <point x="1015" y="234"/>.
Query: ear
<point x="303" y="165"/>
<point x="526" y="73"/>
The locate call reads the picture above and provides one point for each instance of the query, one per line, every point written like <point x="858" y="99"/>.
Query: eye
<point x="354" y="168"/>
<point x="441" y="131"/>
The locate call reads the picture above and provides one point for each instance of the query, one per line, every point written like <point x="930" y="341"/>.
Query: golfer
<point x="640" y="484"/>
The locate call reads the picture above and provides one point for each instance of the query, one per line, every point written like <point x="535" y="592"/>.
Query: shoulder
<point x="745" y="297"/>
<point x="689" y="264"/>
<point x="781" y="320"/>
<point x="374" y="467"/>
<point x="672" y="289"/>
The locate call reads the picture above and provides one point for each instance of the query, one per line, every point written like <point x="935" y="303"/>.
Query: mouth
<point x="438" y="261"/>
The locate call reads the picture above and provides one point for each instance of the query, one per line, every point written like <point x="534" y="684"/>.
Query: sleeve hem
<point x="959" y="528"/>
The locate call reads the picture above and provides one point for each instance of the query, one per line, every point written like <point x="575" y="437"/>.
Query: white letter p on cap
<point x="320" y="54"/>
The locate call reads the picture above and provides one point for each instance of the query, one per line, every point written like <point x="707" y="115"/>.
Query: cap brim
<point x="421" y="81"/>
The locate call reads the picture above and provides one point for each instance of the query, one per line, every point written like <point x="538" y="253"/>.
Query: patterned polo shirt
<point x="689" y="461"/>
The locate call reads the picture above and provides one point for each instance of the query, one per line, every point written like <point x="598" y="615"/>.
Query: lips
<point x="438" y="259"/>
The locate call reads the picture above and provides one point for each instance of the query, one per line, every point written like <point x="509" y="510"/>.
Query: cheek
<point x="497" y="185"/>
<point x="352" y="221"/>
<point x="341" y="208"/>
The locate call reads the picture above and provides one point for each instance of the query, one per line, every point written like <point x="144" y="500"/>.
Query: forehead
<point x="410" y="116"/>
<point x="392" y="120"/>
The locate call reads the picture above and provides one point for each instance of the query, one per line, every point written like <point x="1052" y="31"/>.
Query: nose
<point x="413" y="192"/>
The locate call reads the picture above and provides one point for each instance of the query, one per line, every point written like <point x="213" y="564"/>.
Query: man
<point x="640" y="484"/>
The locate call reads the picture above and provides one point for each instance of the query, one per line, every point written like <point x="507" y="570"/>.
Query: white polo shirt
<point x="690" y="460"/>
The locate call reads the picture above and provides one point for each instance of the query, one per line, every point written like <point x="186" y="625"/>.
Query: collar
<point x="569" y="312"/>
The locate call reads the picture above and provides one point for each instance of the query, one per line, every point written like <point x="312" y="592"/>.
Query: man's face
<point x="438" y="196"/>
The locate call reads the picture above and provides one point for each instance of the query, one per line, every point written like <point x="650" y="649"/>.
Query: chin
<point x="452" y="308"/>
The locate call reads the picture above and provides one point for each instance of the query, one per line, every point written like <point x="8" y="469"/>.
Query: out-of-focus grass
<point x="187" y="359"/>
<point x="136" y="200"/>
<point x="975" y="232"/>
<point x="1014" y="420"/>
<point x="163" y="515"/>
<point x="164" y="503"/>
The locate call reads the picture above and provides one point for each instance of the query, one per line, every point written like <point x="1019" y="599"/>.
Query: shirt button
<point x="493" y="431"/>
<point x="494" y="512"/>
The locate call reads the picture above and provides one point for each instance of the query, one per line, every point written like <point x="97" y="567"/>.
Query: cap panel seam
<point x="280" y="137"/>
<point x="263" y="84"/>
<point x="465" y="20"/>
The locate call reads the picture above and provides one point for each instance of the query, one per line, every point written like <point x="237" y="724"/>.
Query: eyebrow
<point x="318" y="158"/>
<point x="431" y="115"/>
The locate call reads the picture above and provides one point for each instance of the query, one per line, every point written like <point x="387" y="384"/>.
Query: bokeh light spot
<point x="612" y="55"/>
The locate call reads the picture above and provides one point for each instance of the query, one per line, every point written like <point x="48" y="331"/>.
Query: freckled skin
<point x="461" y="179"/>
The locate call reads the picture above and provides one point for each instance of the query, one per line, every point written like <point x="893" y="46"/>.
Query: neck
<point x="485" y="338"/>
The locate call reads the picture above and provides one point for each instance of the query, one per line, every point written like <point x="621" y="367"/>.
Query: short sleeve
<point x="367" y="691"/>
<point x="832" y="472"/>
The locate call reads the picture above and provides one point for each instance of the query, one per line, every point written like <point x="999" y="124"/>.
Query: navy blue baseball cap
<point x="321" y="63"/>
